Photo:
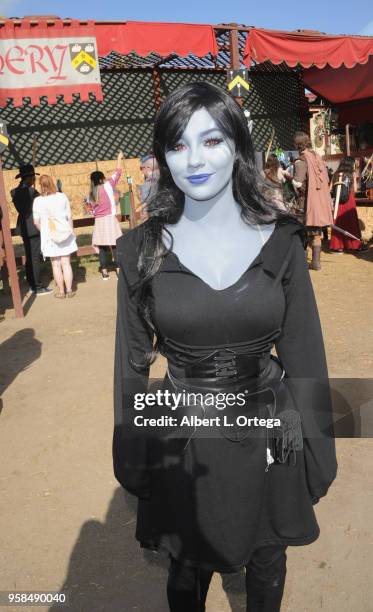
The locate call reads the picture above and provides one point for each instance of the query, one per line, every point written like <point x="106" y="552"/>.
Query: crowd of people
<point x="46" y="226"/>
<point x="302" y="188"/>
<point x="305" y="189"/>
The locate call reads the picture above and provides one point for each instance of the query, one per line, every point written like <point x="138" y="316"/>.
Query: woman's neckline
<point x="256" y="260"/>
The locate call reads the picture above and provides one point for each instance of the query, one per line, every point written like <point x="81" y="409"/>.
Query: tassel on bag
<point x="288" y="436"/>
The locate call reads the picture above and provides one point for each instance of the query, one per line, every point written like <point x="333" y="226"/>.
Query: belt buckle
<point x="225" y="364"/>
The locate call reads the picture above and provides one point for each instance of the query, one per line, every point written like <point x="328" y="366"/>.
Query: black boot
<point x="187" y="588"/>
<point x="315" y="263"/>
<point x="265" y="579"/>
<point x="266" y="598"/>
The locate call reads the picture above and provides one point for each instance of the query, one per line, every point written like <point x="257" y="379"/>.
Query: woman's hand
<point x="119" y="158"/>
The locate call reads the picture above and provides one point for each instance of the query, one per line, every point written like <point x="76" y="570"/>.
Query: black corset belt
<point x="219" y="366"/>
<point x="262" y="381"/>
<point x="222" y="367"/>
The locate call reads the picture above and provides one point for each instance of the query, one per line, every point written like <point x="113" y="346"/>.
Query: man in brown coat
<point x="314" y="206"/>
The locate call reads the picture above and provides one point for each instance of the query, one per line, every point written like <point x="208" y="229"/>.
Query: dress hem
<point x="233" y="568"/>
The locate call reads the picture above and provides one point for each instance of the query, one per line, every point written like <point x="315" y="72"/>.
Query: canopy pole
<point x="10" y="261"/>
<point x="235" y="56"/>
<point x="156" y="77"/>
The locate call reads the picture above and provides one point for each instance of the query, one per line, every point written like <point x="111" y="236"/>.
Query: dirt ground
<point x="67" y="525"/>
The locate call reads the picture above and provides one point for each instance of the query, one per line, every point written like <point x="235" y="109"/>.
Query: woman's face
<point x="201" y="162"/>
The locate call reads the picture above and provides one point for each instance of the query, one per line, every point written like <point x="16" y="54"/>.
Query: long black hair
<point x="346" y="166"/>
<point x="97" y="179"/>
<point x="166" y="204"/>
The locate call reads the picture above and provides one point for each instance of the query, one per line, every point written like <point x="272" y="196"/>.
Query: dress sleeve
<point x="67" y="207"/>
<point x="133" y="342"/>
<point x="113" y="180"/>
<point x="300" y="348"/>
<point x="36" y="209"/>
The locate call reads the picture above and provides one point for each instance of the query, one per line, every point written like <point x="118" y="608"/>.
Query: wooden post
<point x="133" y="220"/>
<point x="235" y="56"/>
<point x="10" y="260"/>
<point x="156" y="88"/>
<point x="132" y="215"/>
<point x="348" y="145"/>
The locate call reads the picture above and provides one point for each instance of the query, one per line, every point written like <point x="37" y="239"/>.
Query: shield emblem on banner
<point x="83" y="57"/>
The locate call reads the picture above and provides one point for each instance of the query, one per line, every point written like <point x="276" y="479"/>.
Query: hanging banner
<point x="237" y="82"/>
<point x="48" y="61"/>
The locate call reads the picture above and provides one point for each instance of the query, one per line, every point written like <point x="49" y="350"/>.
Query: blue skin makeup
<point x="211" y="239"/>
<point x="201" y="162"/>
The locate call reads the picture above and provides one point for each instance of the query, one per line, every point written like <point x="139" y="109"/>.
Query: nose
<point x="195" y="157"/>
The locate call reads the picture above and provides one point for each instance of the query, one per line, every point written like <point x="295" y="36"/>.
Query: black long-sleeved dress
<point x="212" y="501"/>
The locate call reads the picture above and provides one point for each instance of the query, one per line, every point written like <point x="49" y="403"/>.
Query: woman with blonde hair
<point x="52" y="216"/>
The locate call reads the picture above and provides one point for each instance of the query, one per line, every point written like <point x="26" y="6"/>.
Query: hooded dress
<point x="210" y="499"/>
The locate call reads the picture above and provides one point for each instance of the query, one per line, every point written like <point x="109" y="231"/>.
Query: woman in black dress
<point x="214" y="280"/>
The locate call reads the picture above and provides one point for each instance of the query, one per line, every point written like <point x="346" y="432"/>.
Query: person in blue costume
<point x="214" y="280"/>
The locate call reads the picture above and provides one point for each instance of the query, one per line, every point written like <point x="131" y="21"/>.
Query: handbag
<point x="59" y="229"/>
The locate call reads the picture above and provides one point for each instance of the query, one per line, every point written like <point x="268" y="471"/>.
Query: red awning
<point x="52" y="57"/>
<point x="341" y="84"/>
<point x="338" y="68"/>
<point x="356" y="112"/>
<point x="307" y="48"/>
<point x="161" y="38"/>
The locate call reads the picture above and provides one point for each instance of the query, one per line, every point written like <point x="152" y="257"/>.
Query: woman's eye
<point x="178" y="147"/>
<point x="212" y="142"/>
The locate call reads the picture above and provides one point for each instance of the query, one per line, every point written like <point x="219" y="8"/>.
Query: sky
<point x="333" y="16"/>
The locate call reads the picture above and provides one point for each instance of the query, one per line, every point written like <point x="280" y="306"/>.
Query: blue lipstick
<point x="197" y="179"/>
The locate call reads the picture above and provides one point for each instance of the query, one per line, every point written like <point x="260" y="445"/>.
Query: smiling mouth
<point x="197" y="179"/>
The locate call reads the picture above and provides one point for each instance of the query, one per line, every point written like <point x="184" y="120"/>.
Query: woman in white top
<point x="52" y="216"/>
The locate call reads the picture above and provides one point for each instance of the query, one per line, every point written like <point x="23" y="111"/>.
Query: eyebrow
<point x="206" y="132"/>
<point x="216" y="129"/>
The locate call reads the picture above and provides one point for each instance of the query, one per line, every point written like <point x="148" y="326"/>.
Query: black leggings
<point x="102" y="255"/>
<point x="265" y="580"/>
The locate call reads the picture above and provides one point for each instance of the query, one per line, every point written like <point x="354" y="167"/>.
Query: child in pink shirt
<point x="102" y="201"/>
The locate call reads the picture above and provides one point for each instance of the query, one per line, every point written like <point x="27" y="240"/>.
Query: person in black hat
<point x="23" y="197"/>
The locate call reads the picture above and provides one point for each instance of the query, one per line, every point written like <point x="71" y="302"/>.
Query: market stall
<point x="339" y="69"/>
<point x="47" y="63"/>
<point x="73" y="92"/>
